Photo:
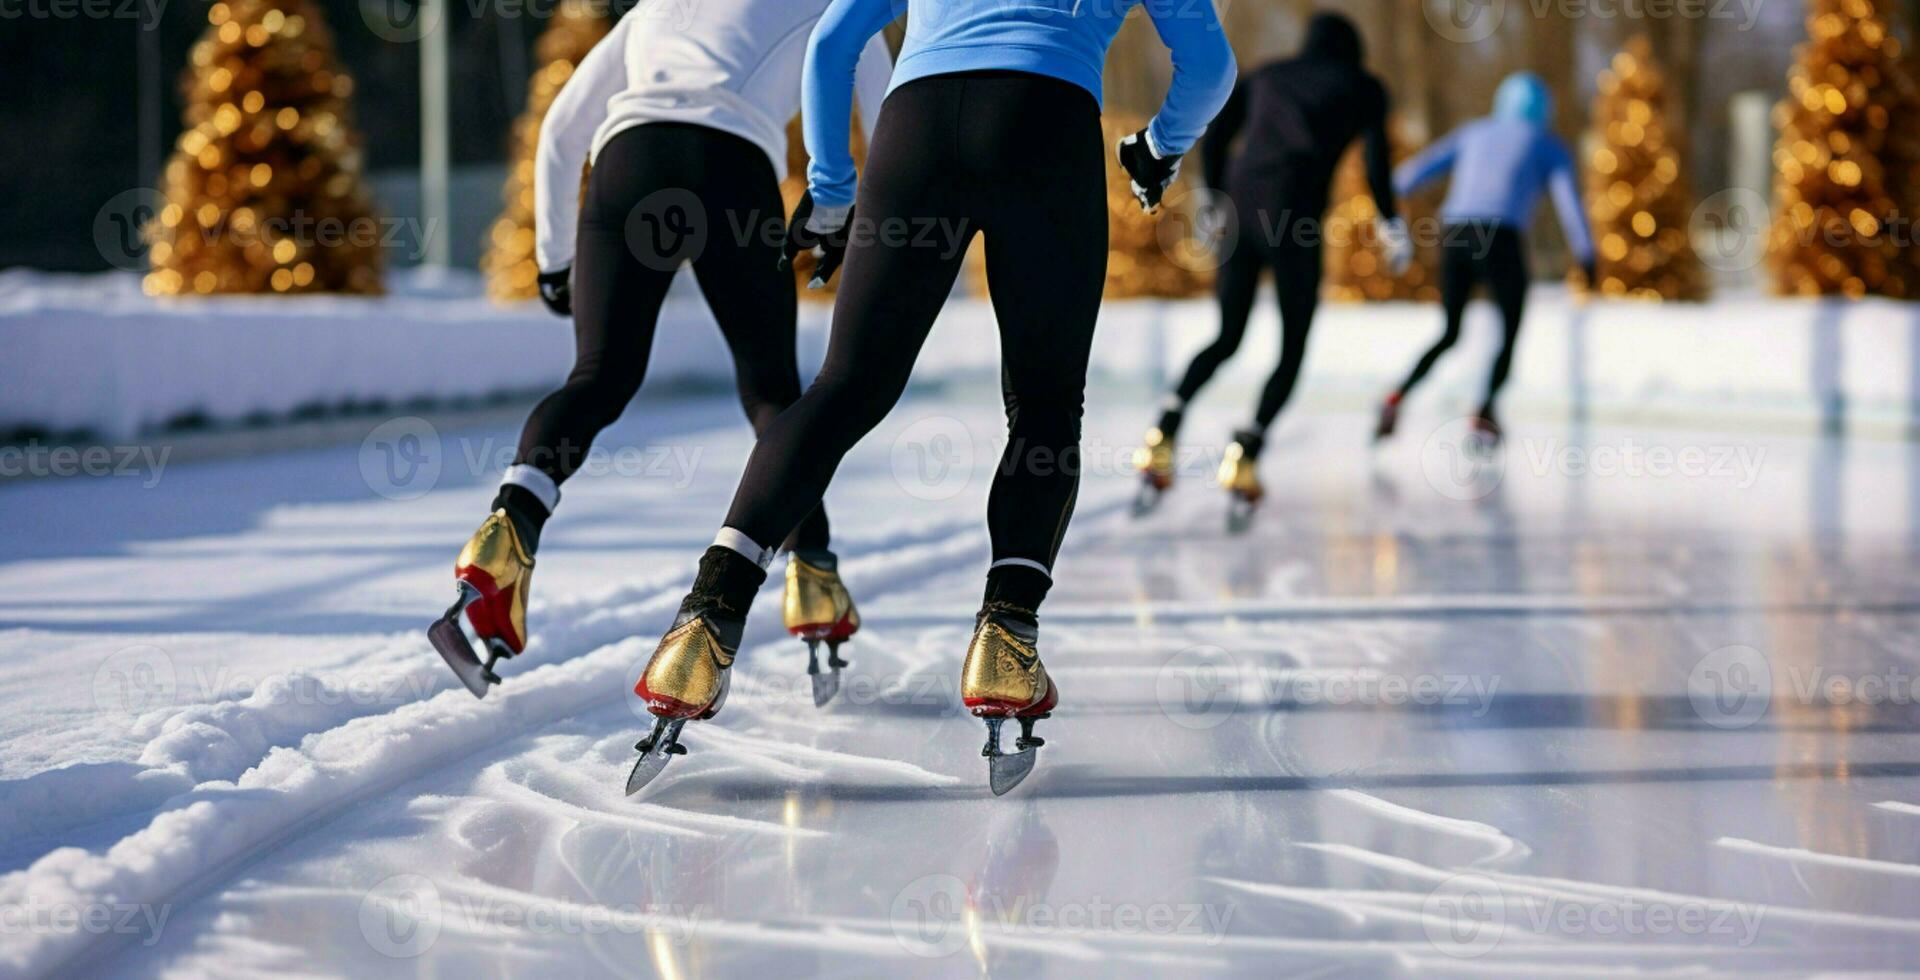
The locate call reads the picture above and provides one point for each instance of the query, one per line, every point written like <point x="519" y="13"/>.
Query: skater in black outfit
<point x="1295" y="119"/>
<point x="683" y="119"/>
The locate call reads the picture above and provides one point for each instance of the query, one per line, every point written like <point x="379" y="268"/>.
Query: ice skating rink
<point x="1635" y="701"/>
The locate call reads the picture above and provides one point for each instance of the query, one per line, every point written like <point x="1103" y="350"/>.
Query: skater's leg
<point x="1234" y="289"/>
<point x="753" y="302"/>
<point x="1506" y="274"/>
<point x="889" y="296"/>
<point x="1296" y="275"/>
<point x="1456" y="288"/>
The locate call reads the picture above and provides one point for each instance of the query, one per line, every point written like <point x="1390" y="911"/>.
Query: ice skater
<point x="992" y="126"/>
<point x="1500" y="165"/>
<point x="1296" y="118"/>
<point x="683" y="115"/>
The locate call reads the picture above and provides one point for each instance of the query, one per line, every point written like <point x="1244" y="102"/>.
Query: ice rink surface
<point x="1635" y="701"/>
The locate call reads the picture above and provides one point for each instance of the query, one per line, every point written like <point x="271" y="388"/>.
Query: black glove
<point x="1592" y="270"/>
<point x="1151" y="174"/>
<point x="831" y="246"/>
<point x="556" y="290"/>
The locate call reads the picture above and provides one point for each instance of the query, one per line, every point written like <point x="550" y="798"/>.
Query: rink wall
<point x="90" y="353"/>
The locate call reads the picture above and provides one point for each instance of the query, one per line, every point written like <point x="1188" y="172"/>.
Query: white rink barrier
<point x="90" y="352"/>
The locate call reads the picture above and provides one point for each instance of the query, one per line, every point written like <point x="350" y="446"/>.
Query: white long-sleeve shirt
<point x="732" y="65"/>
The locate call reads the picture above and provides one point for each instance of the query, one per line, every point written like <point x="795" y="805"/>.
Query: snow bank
<point x="92" y="353"/>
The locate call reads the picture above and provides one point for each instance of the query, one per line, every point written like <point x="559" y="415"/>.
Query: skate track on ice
<point x="1233" y="787"/>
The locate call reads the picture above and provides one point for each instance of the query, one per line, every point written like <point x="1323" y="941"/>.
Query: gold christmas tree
<point x="1147" y="254"/>
<point x="1356" y="269"/>
<point x="1843" y="189"/>
<point x="796" y="184"/>
<point x="263" y="191"/>
<point x="509" y="264"/>
<point x="1641" y="201"/>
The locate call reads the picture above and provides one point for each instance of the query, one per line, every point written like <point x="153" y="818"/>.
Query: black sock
<point x="1251" y="442"/>
<point x="726" y="584"/>
<point x="526" y="512"/>
<point x="819" y="558"/>
<point x="1169" y="424"/>
<point x="1015" y="592"/>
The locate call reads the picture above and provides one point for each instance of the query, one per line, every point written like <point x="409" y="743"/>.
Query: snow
<point x="90" y="353"/>
<point x="1417" y="721"/>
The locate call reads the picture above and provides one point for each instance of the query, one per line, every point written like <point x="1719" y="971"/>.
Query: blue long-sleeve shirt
<point x="1500" y="166"/>
<point x="1064" y="39"/>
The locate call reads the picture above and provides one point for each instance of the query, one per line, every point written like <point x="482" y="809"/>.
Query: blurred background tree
<point x="1637" y="189"/>
<point x="1838" y="226"/>
<point x="264" y="191"/>
<point x="509" y="264"/>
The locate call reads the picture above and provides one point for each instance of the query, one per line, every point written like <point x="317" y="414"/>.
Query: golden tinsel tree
<point x="1356" y="270"/>
<point x="796" y="184"/>
<point x="264" y="189"/>
<point x="1147" y="254"/>
<point x="512" y="273"/>
<point x="1640" y="200"/>
<point x="1839" y="159"/>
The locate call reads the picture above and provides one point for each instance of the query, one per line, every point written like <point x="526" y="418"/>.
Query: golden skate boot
<point x="1154" y="460"/>
<point x="818" y="609"/>
<point x="1003" y="678"/>
<point x="493" y="574"/>
<point x="687" y="680"/>
<point x="1240" y="476"/>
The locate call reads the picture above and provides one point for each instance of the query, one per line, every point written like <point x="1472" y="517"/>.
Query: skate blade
<point x="448" y="638"/>
<point x="1147" y="499"/>
<point x="825" y="685"/>
<point x="1004" y="772"/>
<point x="1240" y="515"/>
<point x="645" y="768"/>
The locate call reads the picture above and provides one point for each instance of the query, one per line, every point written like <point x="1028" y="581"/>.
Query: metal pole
<point x="147" y="111"/>
<point x="435" y="157"/>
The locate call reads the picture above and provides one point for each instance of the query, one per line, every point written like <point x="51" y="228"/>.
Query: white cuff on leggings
<point x="535" y="482"/>
<point x="1023" y="563"/>
<point x="736" y="541"/>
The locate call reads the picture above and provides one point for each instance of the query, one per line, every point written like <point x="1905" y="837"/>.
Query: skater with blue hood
<point x="1499" y="166"/>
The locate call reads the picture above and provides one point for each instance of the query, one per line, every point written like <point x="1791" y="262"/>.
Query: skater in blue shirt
<point x="1500" y="165"/>
<point x="991" y="126"/>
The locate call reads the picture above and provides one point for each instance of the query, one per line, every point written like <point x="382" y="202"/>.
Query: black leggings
<point x="1471" y="253"/>
<point x="662" y="194"/>
<point x="1294" y="257"/>
<point x="1018" y="158"/>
